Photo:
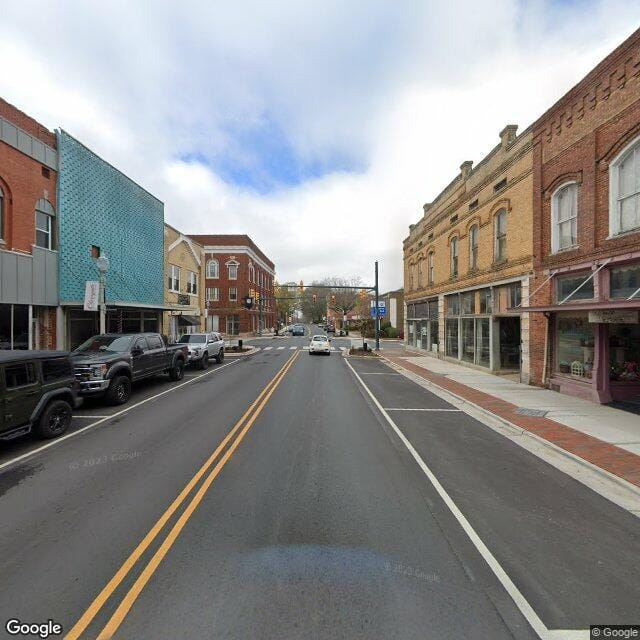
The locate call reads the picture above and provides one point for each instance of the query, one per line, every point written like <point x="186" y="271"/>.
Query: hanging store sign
<point x="614" y="316"/>
<point x="91" y="295"/>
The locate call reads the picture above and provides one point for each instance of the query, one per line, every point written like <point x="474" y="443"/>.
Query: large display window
<point x="624" y="352"/>
<point x="575" y="339"/>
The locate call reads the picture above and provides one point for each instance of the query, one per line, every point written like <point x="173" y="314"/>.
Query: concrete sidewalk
<point x="606" y="437"/>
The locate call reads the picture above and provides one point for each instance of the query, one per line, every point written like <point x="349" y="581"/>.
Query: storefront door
<point x="509" y="329"/>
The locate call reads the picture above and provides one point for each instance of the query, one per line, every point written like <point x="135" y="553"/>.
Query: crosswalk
<point x="301" y="348"/>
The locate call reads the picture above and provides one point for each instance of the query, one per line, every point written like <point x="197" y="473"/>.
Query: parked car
<point x="202" y="347"/>
<point x="297" y="330"/>
<point x="107" y="364"/>
<point x="38" y="391"/>
<point x="331" y="328"/>
<point x="320" y="344"/>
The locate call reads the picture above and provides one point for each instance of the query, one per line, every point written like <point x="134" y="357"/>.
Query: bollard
<point x="239" y="345"/>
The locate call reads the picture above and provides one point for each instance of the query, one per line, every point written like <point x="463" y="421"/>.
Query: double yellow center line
<point x="238" y="432"/>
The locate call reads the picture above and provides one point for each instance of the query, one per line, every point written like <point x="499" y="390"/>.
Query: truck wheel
<point x="55" y="419"/>
<point x="204" y="361"/>
<point x="119" y="390"/>
<point x="220" y="356"/>
<point x="177" y="372"/>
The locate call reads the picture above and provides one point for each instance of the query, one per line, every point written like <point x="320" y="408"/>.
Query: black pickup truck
<point x="106" y="365"/>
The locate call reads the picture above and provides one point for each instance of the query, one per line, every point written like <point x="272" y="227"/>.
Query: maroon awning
<point x="582" y="306"/>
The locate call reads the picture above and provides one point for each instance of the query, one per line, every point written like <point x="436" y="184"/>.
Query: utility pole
<point x="103" y="266"/>
<point x="377" y="316"/>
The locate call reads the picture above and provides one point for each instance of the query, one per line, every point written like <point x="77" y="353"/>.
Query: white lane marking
<point x="79" y="416"/>
<point x="268" y="348"/>
<point x="305" y="348"/>
<point x="280" y="348"/>
<point x="379" y="373"/>
<point x="333" y="348"/>
<point x="56" y="441"/>
<point x="520" y="601"/>
<point x="292" y="348"/>
<point x="402" y="409"/>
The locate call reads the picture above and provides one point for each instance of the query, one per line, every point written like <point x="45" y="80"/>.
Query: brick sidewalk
<point x="619" y="462"/>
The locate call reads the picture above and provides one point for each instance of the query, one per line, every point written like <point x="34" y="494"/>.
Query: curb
<point x="516" y="430"/>
<point x="231" y="354"/>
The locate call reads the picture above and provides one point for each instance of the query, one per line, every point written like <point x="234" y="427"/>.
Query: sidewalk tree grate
<point x="538" y="413"/>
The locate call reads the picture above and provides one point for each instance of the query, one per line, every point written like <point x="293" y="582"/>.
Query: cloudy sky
<point x="318" y="128"/>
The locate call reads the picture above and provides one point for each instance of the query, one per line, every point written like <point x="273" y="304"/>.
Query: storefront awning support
<point x="634" y="294"/>
<point x="587" y="280"/>
<point x="553" y="273"/>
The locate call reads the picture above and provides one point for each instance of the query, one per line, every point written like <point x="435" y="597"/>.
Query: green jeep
<point x="37" y="391"/>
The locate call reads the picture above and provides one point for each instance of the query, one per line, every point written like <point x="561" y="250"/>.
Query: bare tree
<point x="314" y="302"/>
<point x="343" y="300"/>
<point x="287" y="300"/>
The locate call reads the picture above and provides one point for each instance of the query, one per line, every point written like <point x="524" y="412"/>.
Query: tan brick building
<point x="183" y="291"/>
<point x="468" y="261"/>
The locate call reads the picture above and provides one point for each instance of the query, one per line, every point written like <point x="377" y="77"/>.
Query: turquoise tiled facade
<point x="99" y="205"/>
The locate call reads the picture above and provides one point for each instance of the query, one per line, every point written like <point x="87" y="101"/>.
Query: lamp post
<point x="103" y="266"/>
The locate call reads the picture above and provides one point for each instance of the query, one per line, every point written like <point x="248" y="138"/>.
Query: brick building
<point x="234" y="268"/>
<point x="585" y="301"/>
<point x="28" y="232"/>
<point x="467" y="263"/>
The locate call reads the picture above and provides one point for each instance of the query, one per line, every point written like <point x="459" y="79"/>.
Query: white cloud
<point x="405" y="90"/>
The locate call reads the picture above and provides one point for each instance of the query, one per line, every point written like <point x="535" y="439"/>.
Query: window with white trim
<point x="192" y="283"/>
<point x="212" y="294"/>
<point x="44" y="224"/>
<point x="473" y="247"/>
<point x="454" y="257"/>
<point x="233" y="294"/>
<point x="1" y="213"/>
<point x="252" y="273"/>
<point x="233" y="270"/>
<point x="430" y="268"/>
<point x="564" y="217"/>
<point x="420" y="273"/>
<point x="174" y="278"/>
<point x="624" y="187"/>
<point x="500" y="236"/>
<point x="213" y="269"/>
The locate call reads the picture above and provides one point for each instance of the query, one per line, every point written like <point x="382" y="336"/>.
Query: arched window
<point x="500" y="236"/>
<point x="564" y="217"/>
<point x="473" y="247"/>
<point x="454" y="257"/>
<point x="430" y="269"/>
<point x="44" y="224"/>
<point x="1" y="213"/>
<point x="232" y="266"/>
<point x="420" y="260"/>
<point x="213" y="269"/>
<point x="624" y="188"/>
<point x="252" y="272"/>
<point x="411" y="282"/>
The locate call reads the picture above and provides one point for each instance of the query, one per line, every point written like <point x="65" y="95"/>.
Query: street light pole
<point x="103" y="266"/>
<point x="377" y="316"/>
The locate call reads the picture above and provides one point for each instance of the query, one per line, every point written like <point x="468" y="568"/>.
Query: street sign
<point x="91" y="295"/>
<point x="381" y="311"/>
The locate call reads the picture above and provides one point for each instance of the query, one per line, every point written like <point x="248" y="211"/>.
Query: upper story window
<point x="213" y="269"/>
<point x="564" y="217"/>
<point x="500" y="236"/>
<point x="574" y="287"/>
<point x="430" y="269"/>
<point x="473" y="247"/>
<point x="252" y="273"/>
<point x="233" y="270"/>
<point x="233" y="294"/>
<point x="420" y="273"/>
<point x="192" y="283"/>
<point x="173" y="277"/>
<point x="213" y="294"/>
<point x="624" y="186"/>
<point x="1" y="213"/>
<point x="454" y="257"/>
<point x="44" y="224"/>
<point x="410" y="276"/>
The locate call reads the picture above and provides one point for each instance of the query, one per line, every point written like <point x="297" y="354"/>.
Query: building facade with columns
<point x="468" y="260"/>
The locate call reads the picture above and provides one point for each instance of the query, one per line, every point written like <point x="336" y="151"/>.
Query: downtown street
<point x="279" y="495"/>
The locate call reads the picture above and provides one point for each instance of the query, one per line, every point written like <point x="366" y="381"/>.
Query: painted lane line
<point x="520" y="601"/>
<point x="291" y="348"/>
<point x="89" y="417"/>
<point x="379" y="373"/>
<point x="280" y="348"/>
<point x="268" y="348"/>
<point x="436" y="410"/>
<point x="134" y="592"/>
<point x="115" y="415"/>
<point x="104" y="595"/>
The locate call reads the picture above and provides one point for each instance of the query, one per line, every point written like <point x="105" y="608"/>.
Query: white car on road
<point x="320" y="344"/>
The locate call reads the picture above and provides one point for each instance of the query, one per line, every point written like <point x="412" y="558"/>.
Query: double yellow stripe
<point x="244" y="424"/>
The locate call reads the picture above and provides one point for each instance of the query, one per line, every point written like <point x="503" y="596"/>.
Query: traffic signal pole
<point x="377" y="317"/>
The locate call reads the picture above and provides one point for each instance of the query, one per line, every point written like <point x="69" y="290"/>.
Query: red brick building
<point x="234" y="268"/>
<point x="28" y="232"/>
<point x="585" y="299"/>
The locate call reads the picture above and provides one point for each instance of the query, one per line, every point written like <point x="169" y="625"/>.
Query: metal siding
<point x="51" y="278"/>
<point x="9" y="275"/>
<point x="37" y="276"/>
<point x="25" y="269"/>
<point x="98" y="205"/>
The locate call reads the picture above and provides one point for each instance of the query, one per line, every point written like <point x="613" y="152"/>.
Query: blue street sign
<point x="381" y="311"/>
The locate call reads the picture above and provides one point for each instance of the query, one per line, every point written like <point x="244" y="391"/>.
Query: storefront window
<point x="453" y="305"/>
<point x="14" y="317"/>
<point x="452" y="337"/>
<point x="424" y="334"/>
<point x="485" y="301"/>
<point x="624" y="352"/>
<point x="565" y="285"/>
<point x="482" y="342"/>
<point x="624" y="282"/>
<point x="574" y="345"/>
<point x="468" y="339"/>
<point x="433" y="309"/>
<point x="433" y="338"/>
<point x="468" y="302"/>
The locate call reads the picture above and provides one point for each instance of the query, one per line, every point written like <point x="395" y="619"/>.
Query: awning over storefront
<point x="581" y="306"/>
<point x="191" y="321"/>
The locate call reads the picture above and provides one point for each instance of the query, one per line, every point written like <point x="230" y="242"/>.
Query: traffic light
<point x="333" y="299"/>
<point x="301" y="286"/>
<point x="314" y="297"/>
<point x="363" y="295"/>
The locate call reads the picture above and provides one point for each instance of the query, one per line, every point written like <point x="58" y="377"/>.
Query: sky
<point x="318" y="128"/>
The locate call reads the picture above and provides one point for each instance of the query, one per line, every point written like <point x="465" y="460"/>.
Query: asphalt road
<point x="271" y="498"/>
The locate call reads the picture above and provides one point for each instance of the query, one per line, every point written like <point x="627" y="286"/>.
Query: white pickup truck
<point x="203" y="347"/>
